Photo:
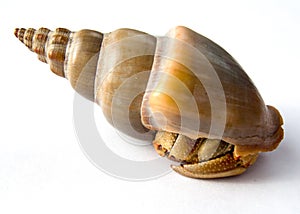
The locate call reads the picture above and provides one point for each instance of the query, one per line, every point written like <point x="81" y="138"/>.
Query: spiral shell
<point x="206" y="109"/>
<point x="96" y="74"/>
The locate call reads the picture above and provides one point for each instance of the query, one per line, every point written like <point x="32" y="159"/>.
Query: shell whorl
<point x="50" y="46"/>
<point x="97" y="64"/>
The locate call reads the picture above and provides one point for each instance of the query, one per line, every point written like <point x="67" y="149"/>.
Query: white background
<point x="42" y="167"/>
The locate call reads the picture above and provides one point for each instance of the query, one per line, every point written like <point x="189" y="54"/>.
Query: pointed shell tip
<point x="16" y="32"/>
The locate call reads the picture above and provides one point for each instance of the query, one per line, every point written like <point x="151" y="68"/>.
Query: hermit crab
<point x="204" y="109"/>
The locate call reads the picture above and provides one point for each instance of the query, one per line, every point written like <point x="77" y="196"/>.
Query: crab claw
<point x="224" y="166"/>
<point x="202" y="158"/>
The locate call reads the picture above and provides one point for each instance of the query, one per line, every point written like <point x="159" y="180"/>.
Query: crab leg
<point x="224" y="166"/>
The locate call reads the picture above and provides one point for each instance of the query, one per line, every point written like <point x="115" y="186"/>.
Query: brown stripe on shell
<point x="49" y="46"/>
<point x="19" y="33"/>
<point x="28" y="37"/>
<point x="56" y="50"/>
<point x="39" y="43"/>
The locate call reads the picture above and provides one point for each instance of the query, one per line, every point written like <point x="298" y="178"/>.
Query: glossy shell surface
<point x="206" y="111"/>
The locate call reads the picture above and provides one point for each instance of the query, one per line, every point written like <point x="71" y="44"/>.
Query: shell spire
<point x="50" y="46"/>
<point x="72" y="55"/>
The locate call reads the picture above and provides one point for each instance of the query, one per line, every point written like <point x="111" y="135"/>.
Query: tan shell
<point x="193" y="78"/>
<point x="97" y="75"/>
<point x="123" y="71"/>
<point x="195" y="88"/>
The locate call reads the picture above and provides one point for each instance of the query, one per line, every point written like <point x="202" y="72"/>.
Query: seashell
<point x="206" y="112"/>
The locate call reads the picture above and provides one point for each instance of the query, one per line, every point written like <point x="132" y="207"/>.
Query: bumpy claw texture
<point x="202" y="158"/>
<point x="223" y="166"/>
<point x="206" y="112"/>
